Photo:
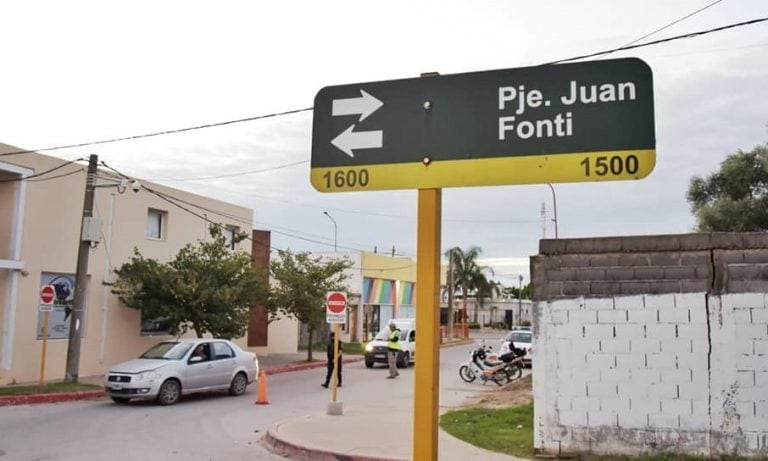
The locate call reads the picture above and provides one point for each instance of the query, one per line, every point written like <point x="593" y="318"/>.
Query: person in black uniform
<point x="329" y="353"/>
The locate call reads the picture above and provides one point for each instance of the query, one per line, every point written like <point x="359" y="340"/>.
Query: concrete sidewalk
<point x="364" y="434"/>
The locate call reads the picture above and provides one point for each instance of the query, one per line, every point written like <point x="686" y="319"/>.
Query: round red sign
<point x="47" y="294"/>
<point x="336" y="302"/>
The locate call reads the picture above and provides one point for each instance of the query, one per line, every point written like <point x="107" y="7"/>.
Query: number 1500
<point x="615" y="165"/>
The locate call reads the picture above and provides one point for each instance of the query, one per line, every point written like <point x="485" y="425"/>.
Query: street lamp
<point x="335" y="230"/>
<point x="520" y="301"/>
<point x="554" y="205"/>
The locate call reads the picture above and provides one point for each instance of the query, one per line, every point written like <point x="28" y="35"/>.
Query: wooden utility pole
<point x="81" y="277"/>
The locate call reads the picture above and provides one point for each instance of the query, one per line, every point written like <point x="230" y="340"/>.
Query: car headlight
<point x="147" y="376"/>
<point x="369" y="347"/>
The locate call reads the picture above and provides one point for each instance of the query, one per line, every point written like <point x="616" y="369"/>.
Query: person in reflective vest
<point x="393" y="348"/>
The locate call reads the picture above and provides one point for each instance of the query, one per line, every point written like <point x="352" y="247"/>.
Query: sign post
<point x="579" y="122"/>
<point x="336" y="314"/>
<point x="47" y="296"/>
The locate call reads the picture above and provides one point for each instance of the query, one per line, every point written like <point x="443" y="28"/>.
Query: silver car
<point x="171" y="369"/>
<point x="522" y="340"/>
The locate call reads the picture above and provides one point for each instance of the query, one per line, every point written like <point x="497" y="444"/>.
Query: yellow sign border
<point x="529" y="169"/>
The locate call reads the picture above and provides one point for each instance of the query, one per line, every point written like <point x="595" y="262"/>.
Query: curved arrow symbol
<point x="365" y="105"/>
<point x="349" y="140"/>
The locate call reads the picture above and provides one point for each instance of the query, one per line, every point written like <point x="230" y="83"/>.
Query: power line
<point x="673" y="23"/>
<point x="79" y="170"/>
<point x="656" y="42"/>
<point x="42" y="173"/>
<point x="160" y="133"/>
<point x="232" y="175"/>
<point x="277" y="114"/>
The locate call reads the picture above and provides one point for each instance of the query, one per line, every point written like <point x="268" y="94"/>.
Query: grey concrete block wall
<point x="718" y="262"/>
<point x="652" y="344"/>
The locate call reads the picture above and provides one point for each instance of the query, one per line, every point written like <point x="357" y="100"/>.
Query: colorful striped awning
<point x="378" y="291"/>
<point x="406" y="293"/>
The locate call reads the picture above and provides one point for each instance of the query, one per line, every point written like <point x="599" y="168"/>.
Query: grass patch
<point x="664" y="457"/>
<point x="510" y="431"/>
<point x="47" y="388"/>
<point x="504" y="430"/>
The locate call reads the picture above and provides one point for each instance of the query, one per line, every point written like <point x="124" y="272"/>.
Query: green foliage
<point x="301" y="284"/>
<point x="515" y="291"/>
<point x="735" y="198"/>
<point x="469" y="276"/>
<point x="474" y="326"/>
<point x="506" y="430"/>
<point x="206" y="288"/>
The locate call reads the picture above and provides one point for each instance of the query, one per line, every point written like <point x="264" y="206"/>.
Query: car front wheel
<point x="405" y="360"/>
<point x="239" y="383"/>
<point x="169" y="393"/>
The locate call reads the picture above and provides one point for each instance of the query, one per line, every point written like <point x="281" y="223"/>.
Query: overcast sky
<point x="77" y="71"/>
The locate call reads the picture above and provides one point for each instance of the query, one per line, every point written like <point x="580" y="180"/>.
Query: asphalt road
<point x="207" y="427"/>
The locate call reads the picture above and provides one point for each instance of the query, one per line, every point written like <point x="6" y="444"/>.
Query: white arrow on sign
<point x="365" y="105"/>
<point x="349" y="140"/>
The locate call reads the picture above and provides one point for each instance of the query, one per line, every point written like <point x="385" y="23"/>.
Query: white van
<point x="376" y="350"/>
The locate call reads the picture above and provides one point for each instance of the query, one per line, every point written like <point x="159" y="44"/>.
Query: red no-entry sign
<point x="336" y="307"/>
<point x="47" y="294"/>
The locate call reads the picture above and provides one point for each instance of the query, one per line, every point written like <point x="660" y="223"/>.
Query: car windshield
<point x="519" y="337"/>
<point x="167" y="351"/>
<point x="383" y="335"/>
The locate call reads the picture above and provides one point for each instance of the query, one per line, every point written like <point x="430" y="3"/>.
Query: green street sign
<point x="587" y="121"/>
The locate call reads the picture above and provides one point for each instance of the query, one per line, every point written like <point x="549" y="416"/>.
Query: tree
<point x="301" y="285"/>
<point x="206" y="288"/>
<point x="735" y="198"/>
<point x="485" y="288"/>
<point x="514" y="292"/>
<point x="466" y="272"/>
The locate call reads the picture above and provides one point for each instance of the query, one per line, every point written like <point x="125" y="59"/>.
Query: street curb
<point x="282" y="447"/>
<point x="55" y="397"/>
<point x="306" y="366"/>
<point x="50" y="398"/>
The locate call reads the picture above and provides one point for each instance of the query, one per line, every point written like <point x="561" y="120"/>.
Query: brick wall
<point x="652" y="344"/>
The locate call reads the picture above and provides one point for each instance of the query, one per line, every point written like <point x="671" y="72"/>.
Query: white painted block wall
<point x="636" y="374"/>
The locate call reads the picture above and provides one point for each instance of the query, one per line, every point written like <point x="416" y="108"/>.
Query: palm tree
<point x="485" y="288"/>
<point x="466" y="272"/>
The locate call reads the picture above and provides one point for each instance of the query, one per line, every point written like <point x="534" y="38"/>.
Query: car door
<point x="224" y="364"/>
<point x="199" y="373"/>
<point x="412" y="342"/>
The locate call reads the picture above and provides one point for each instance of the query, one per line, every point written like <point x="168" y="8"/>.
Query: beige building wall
<point x="52" y="213"/>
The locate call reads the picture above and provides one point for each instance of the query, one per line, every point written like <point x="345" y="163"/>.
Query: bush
<point x="474" y="326"/>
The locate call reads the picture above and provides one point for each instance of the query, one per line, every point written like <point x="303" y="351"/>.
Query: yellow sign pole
<point x="335" y="359"/>
<point x="427" y="378"/>
<point x="45" y="345"/>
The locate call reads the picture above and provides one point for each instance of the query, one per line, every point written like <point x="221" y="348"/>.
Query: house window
<point x="229" y="236"/>
<point x="156" y="223"/>
<point x="154" y="326"/>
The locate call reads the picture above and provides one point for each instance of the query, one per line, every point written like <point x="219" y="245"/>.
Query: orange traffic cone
<point x="262" y="398"/>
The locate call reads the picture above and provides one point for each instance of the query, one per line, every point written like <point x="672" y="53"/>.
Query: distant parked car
<point x="522" y="340"/>
<point x="171" y="369"/>
<point x="376" y="350"/>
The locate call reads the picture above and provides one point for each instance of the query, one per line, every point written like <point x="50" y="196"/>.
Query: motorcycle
<point x="507" y="368"/>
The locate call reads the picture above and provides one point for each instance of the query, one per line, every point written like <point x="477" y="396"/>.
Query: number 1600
<point x="346" y="178"/>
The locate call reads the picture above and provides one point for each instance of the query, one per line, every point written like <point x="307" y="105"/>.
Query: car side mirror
<point x="195" y="358"/>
